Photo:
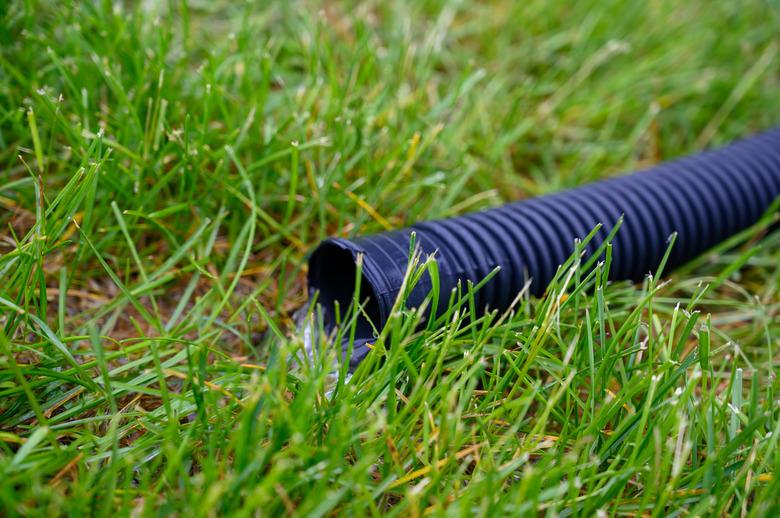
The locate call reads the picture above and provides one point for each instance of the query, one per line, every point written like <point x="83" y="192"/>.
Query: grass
<point x="167" y="166"/>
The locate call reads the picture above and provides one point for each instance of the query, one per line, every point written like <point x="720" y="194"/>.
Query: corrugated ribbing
<point x="704" y="198"/>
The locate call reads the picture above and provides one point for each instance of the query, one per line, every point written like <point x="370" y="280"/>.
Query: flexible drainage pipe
<point x="705" y="198"/>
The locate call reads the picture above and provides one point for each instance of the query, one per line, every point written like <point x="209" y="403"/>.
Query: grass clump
<point x="165" y="168"/>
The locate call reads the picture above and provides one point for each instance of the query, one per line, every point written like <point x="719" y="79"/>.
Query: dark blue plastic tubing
<point x="704" y="199"/>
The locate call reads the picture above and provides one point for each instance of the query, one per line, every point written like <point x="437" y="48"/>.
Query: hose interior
<point x="332" y="272"/>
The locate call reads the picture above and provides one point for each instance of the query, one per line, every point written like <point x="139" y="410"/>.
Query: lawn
<point x="166" y="167"/>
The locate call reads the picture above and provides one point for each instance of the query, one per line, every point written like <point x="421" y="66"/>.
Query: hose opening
<point x="332" y="272"/>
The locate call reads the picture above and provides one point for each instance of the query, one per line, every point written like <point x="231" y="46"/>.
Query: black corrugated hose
<point x="704" y="198"/>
